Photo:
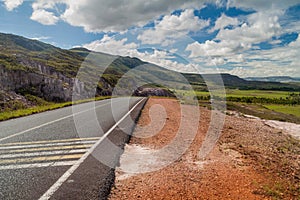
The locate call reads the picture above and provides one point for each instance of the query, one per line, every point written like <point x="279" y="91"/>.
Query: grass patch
<point x="286" y="109"/>
<point x="6" y="115"/>
<point x="262" y="112"/>
<point x="275" y="191"/>
<point x="261" y="103"/>
<point x="241" y="93"/>
<point x="257" y="93"/>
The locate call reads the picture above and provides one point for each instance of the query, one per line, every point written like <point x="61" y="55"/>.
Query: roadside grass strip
<point x="43" y="153"/>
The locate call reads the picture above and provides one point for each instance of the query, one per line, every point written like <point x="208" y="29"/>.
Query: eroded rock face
<point x="47" y="83"/>
<point x="46" y="86"/>
<point x="145" y="92"/>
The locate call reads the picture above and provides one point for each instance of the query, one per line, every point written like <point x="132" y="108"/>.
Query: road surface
<point x="59" y="154"/>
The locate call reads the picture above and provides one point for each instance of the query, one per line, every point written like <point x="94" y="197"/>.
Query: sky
<point x="244" y="38"/>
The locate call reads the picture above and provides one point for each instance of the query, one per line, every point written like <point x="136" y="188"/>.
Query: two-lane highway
<point x="60" y="154"/>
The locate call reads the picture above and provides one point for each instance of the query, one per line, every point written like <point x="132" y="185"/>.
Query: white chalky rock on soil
<point x="290" y="128"/>
<point x="134" y="160"/>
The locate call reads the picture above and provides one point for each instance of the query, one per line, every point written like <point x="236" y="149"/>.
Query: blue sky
<point x="245" y="38"/>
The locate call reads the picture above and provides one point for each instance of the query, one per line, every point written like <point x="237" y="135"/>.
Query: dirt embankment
<point x="250" y="160"/>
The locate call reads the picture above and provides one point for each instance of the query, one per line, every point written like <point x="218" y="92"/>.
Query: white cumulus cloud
<point x="223" y="22"/>
<point x="111" y="45"/>
<point x="12" y="4"/>
<point x="116" y="15"/>
<point x="262" y="6"/>
<point x="44" y="17"/>
<point x="215" y="49"/>
<point x="259" y="27"/>
<point x="171" y="27"/>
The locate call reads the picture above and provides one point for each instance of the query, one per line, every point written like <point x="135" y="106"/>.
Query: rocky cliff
<point x="32" y="67"/>
<point x="47" y="86"/>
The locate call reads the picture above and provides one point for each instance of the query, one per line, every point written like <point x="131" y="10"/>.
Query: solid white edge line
<point x="38" y="165"/>
<point x="47" y="195"/>
<point x="48" y="123"/>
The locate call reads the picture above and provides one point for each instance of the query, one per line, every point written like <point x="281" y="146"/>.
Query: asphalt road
<point x="68" y="153"/>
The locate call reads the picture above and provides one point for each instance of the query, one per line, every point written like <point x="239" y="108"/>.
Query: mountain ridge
<point x="281" y="79"/>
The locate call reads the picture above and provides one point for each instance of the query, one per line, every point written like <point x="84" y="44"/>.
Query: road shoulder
<point x="250" y="161"/>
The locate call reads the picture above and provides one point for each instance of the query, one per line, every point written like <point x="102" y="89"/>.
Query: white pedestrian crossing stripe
<point x="38" y="154"/>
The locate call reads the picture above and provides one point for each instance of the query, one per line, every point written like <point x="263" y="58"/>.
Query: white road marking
<point x="41" y="159"/>
<point x="52" y="122"/>
<point x="50" y="141"/>
<point x="47" y="195"/>
<point x="46" y="145"/>
<point x="52" y="153"/>
<point x="50" y="148"/>
<point x="44" y="153"/>
<point x="38" y="165"/>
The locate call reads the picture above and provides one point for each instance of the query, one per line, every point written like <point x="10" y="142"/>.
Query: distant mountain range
<point x="45" y="71"/>
<point x="280" y="79"/>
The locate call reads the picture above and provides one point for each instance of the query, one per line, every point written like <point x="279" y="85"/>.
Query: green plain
<point x="292" y="110"/>
<point x="240" y="93"/>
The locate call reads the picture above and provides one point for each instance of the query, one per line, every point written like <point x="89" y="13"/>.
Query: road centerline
<point x="46" y="145"/>
<point x="50" y="148"/>
<point x="43" y="153"/>
<point x="51" y="141"/>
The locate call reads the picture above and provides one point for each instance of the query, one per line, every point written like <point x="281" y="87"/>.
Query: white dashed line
<point x="47" y="145"/>
<point x="38" y="165"/>
<point x="57" y="153"/>
<point x="46" y="153"/>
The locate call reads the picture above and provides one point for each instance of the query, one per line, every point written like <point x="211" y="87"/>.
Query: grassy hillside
<point x="19" y="53"/>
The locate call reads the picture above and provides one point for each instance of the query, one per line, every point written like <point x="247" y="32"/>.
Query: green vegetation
<point x="16" y="49"/>
<point x="36" y="100"/>
<point x="274" y="191"/>
<point x="244" y="93"/>
<point x="262" y="111"/>
<point x="257" y="93"/>
<point x="292" y="110"/>
<point x="21" y="111"/>
<point x="273" y="105"/>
